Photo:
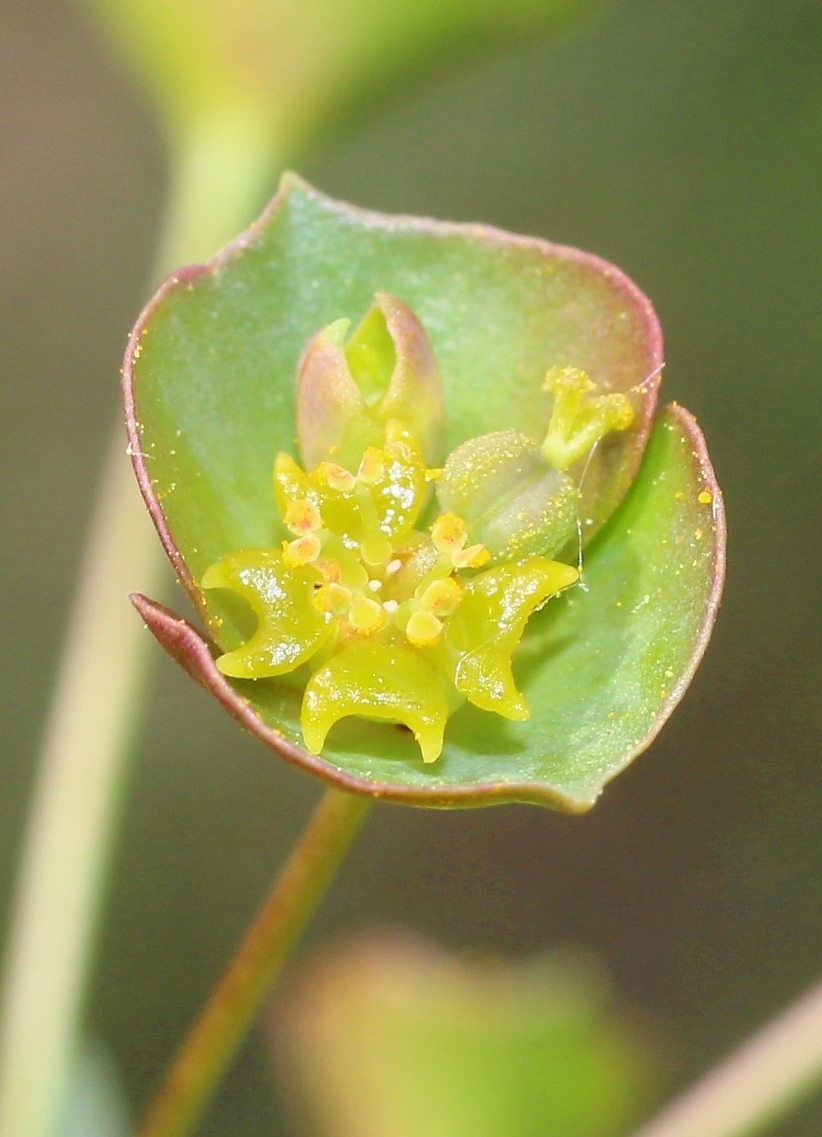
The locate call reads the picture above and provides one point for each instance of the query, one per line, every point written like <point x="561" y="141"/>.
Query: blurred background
<point x="681" y="139"/>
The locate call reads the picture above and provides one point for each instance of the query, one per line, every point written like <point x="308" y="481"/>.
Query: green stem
<point x="750" y="1090"/>
<point x="206" y="1053"/>
<point x="218" y="179"/>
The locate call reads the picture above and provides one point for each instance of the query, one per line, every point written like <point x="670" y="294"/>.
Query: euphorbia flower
<point x="396" y="622"/>
<point x="453" y="458"/>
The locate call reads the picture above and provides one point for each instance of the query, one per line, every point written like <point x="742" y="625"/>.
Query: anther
<point x="372" y="467"/>
<point x="475" y="556"/>
<point x="442" y="597"/>
<point x="448" y="533"/>
<point x="336" y="477"/>
<point x="332" y="598"/>
<point x="366" y="616"/>
<point x="302" y="517"/>
<point x="330" y="570"/>
<point x="423" y="629"/>
<point x="301" y="552"/>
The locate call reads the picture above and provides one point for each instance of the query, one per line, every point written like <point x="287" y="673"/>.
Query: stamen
<point x="366" y="616"/>
<point x="579" y="418"/>
<point x="330" y="570"/>
<point x="372" y="467"/>
<point x="332" y="598"/>
<point x="302" y="517"/>
<point x="473" y="557"/>
<point x="301" y="552"/>
<point x="336" y="477"/>
<point x="448" y="533"/>
<point x="442" y="597"/>
<point x="423" y="629"/>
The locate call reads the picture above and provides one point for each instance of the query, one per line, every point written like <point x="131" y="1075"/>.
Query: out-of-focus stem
<point x="755" y="1085"/>
<point x="223" y="1023"/>
<point x="219" y="174"/>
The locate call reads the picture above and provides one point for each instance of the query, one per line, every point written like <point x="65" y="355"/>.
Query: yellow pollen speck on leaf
<point x="303" y="551"/>
<point x="423" y="629"/>
<point x="705" y="498"/>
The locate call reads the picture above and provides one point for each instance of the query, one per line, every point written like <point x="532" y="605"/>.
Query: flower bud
<point x="347" y="393"/>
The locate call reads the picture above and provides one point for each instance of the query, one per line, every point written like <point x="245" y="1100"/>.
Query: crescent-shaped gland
<point x="488" y="625"/>
<point x="378" y="681"/>
<point x="289" y="628"/>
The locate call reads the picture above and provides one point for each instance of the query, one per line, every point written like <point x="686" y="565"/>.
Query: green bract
<point x="359" y="595"/>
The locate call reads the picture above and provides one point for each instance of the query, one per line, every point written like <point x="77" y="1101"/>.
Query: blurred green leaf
<point x="211" y="372"/>
<point x="390" y="1037"/>
<point x="288" y="62"/>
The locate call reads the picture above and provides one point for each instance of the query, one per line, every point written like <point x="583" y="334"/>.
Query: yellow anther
<point x="332" y="598"/>
<point x="423" y="629"/>
<point x="448" y="533"/>
<point x="302" y="517"/>
<point x="442" y="597"/>
<point x="330" y="570"/>
<point x="366" y="616"/>
<point x="475" y="556"/>
<point x="372" y="466"/>
<point x="336" y="477"/>
<point x="567" y="380"/>
<point x="301" y="552"/>
<point x="579" y="417"/>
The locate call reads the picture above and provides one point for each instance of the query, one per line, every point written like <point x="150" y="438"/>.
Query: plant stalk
<point x="222" y="1025"/>
<point x="219" y="174"/>
<point x="757" y="1084"/>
